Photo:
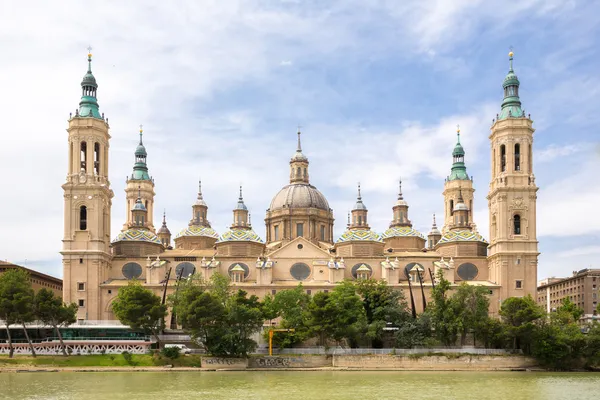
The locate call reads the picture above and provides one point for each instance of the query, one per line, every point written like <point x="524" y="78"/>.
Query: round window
<point x="300" y="271"/>
<point x="361" y="267"/>
<point x="467" y="271"/>
<point x="132" y="270"/>
<point x="241" y="265"/>
<point x="184" y="270"/>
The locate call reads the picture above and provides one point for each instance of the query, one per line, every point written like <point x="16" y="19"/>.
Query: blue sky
<point x="377" y="86"/>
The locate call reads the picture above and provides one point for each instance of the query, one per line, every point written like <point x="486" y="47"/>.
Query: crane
<point x="271" y="332"/>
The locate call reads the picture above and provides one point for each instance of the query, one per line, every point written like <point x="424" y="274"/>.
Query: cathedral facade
<point x="299" y="246"/>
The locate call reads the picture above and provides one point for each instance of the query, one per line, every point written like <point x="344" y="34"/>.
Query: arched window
<point x="360" y="222"/>
<point x="451" y="207"/>
<point x="530" y="159"/>
<point x="401" y="216"/>
<point x="82" y="218"/>
<point x="305" y="172"/>
<point x="96" y="158"/>
<point x="517" y="224"/>
<point x="298" y="173"/>
<point x="83" y="156"/>
<point x="517" y="157"/>
<point x="503" y="158"/>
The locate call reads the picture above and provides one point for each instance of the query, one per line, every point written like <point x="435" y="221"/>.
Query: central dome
<point x="299" y="196"/>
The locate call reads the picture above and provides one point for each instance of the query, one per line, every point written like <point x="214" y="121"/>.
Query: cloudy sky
<point x="377" y="86"/>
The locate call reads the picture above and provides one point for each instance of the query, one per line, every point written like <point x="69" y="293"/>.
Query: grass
<point x="108" y="360"/>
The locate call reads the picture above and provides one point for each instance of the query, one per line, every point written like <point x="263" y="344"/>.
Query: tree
<point x="383" y="305"/>
<point x="52" y="311"/>
<point x="291" y="305"/>
<point x="567" y="312"/>
<point x="520" y="315"/>
<point x="470" y="306"/>
<point x="443" y="319"/>
<point x="16" y="302"/>
<point x="320" y="317"/>
<point x="140" y="309"/>
<point x="244" y="318"/>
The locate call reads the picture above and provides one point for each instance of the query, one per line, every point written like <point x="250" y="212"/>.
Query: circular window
<point x="410" y="266"/>
<point x="360" y="265"/>
<point x="300" y="271"/>
<point x="243" y="266"/>
<point x="132" y="270"/>
<point x="184" y="270"/>
<point x="467" y="271"/>
<point x="300" y="247"/>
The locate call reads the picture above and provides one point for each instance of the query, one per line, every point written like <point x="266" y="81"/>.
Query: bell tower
<point x="88" y="199"/>
<point x="513" y="251"/>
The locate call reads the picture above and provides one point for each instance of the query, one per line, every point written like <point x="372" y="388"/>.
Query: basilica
<point x="299" y="246"/>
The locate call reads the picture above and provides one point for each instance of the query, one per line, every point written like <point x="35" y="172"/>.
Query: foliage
<point x="291" y="306"/>
<point x="16" y="302"/>
<point x="558" y="345"/>
<point x="567" y="312"/>
<point x="128" y="357"/>
<point x="383" y="305"/>
<point x="221" y="322"/>
<point x="51" y="310"/>
<point x="414" y="332"/>
<point x="171" y="352"/>
<point x="440" y="309"/>
<point x="469" y="308"/>
<point x="139" y="308"/>
<point x="520" y="315"/>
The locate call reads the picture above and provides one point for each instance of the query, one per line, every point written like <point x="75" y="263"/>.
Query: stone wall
<point x="373" y="362"/>
<point x="433" y="362"/>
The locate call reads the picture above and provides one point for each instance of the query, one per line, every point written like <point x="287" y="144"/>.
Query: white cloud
<point x="554" y="151"/>
<point x="580" y="251"/>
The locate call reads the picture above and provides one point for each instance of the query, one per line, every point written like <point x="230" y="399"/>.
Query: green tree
<point x="492" y="332"/>
<point x="291" y="305"/>
<point x="244" y="318"/>
<point x="139" y="308"/>
<point x="51" y="310"/>
<point x="520" y="315"/>
<point x="567" y="312"/>
<point x="321" y="317"/>
<point x="469" y="305"/>
<point x="557" y="344"/>
<point x="414" y="332"/>
<point x="383" y="305"/>
<point x="16" y="302"/>
<point x="443" y="319"/>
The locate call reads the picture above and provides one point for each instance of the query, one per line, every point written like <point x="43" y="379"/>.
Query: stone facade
<point x="38" y="280"/>
<point x="299" y="245"/>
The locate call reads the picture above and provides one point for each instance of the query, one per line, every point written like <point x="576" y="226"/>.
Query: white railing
<point x="340" y="351"/>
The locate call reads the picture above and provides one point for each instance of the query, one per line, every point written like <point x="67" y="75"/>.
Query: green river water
<point x="285" y="385"/>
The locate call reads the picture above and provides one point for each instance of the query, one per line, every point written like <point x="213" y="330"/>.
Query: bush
<point x="128" y="357"/>
<point x="171" y="352"/>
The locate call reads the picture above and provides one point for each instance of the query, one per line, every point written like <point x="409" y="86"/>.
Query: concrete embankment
<point x="421" y="362"/>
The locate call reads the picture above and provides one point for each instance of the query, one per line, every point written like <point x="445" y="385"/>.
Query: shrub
<point x="171" y="352"/>
<point x="128" y="357"/>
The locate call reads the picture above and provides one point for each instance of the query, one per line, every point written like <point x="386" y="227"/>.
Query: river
<point x="285" y="385"/>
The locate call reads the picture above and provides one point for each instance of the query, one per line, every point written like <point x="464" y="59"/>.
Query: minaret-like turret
<point x="434" y="235"/>
<point x="139" y="214"/>
<point x="457" y="181"/>
<point x="87" y="203"/>
<point x="359" y="214"/>
<point x="140" y="184"/>
<point x="199" y="210"/>
<point x="299" y="165"/>
<point x="512" y="198"/>
<point x="240" y="214"/>
<point x="461" y="214"/>
<point x="163" y="233"/>
<point x="400" y="210"/>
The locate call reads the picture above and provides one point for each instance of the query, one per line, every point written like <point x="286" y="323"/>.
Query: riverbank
<point x="157" y="363"/>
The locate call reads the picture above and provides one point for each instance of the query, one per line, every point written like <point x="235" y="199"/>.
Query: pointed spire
<point x="434" y="224"/>
<point x="240" y="203"/>
<point x="460" y="197"/>
<point x="434" y="229"/>
<point x="163" y="229"/>
<point x="511" y="105"/>
<point x="459" y="170"/>
<point x="348" y="218"/>
<point x="140" y="168"/>
<point x="359" y="203"/>
<point x="299" y="149"/>
<point x="139" y="205"/>
<point x="298" y="156"/>
<point x="141" y="133"/>
<point x="400" y="196"/>
<point x="88" y="106"/>
<point x="200" y="200"/>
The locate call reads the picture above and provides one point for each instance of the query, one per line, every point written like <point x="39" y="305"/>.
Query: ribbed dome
<point x="299" y="196"/>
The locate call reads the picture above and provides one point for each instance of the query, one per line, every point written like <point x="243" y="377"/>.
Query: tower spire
<point x="140" y="168"/>
<point x="511" y="105"/>
<point x="299" y="148"/>
<point x="459" y="169"/>
<point x="400" y="196"/>
<point x="88" y="106"/>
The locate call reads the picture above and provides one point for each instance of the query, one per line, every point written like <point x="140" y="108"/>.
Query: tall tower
<point x="87" y="196"/>
<point x="458" y="182"/>
<point x="513" y="249"/>
<point x="359" y="214"/>
<point x="140" y="181"/>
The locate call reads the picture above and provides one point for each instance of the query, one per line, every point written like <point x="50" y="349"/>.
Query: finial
<point x="458" y="133"/>
<point x="200" y="189"/>
<point x="400" y="197"/>
<point x="460" y="197"/>
<point x="359" y="197"/>
<point x="241" y="198"/>
<point x="141" y="132"/>
<point x="510" y="57"/>
<point x="348" y="218"/>
<point x="89" y="49"/>
<point x="165" y="217"/>
<point x="249" y="219"/>
<point x="139" y="192"/>
<point x="434" y="224"/>
<point x="299" y="149"/>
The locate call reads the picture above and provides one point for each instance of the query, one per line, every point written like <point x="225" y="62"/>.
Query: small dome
<point x="435" y="232"/>
<point x="89" y="80"/>
<point x="137" y="235"/>
<point x="163" y="229"/>
<point x="511" y="79"/>
<point x="401" y="231"/>
<point x="460" y="206"/>
<point x="461" y="236"/>
<point x="241" y="206"/>
<point x="458" y="150"/>
<point x="359" y="235"/>
<point x="240" y="235"/>
<point x="140" y="150"/>
<point x="198" y="231"/>
<point x="299" y="196"/>
<point x="139" y="205"/>
<point x="299" y="156"/>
